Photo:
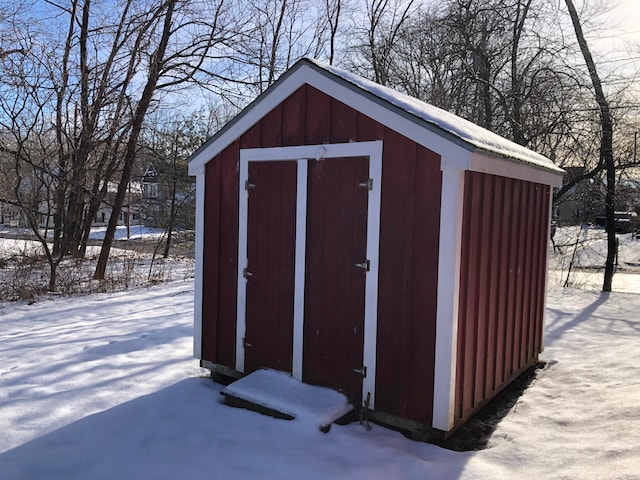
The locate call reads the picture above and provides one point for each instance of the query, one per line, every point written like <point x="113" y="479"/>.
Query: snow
<point x="135" y="232"/>
<point x="25" y="272"/>
<point x="104" y="386"/>
<point x="579" y="257"/>
<point x="279" y="391"/>
<point x="464" y="130"/>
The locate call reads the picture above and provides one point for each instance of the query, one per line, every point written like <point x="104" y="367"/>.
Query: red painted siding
<point x="335" y="286"/>
<point x="270" y="254"/>
<point x="410" y="219"/>
<point x="411" y="190"/>
<point x="503" y="266"/>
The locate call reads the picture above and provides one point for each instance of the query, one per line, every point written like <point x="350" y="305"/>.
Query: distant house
<point x="153" y="203"/>
<point x="363" y="240"/>
<point x="150" y="183"/>
<point x="157" y="193"/>
<point x="9" y="214"/>
<point x="582" y="203"/>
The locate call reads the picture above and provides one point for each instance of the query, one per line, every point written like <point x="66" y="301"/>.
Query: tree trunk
<point x="153" y="75"/>
<point x="172" y="217"/>
<point x="606" y="147"/>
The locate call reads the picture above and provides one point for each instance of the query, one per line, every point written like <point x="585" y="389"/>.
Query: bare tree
<point x="378" y="39"/>
<point x="178" y="49"/>
<point x="333" y="11"/>
<point x="278" y="33"/>
<point x="606" y="146"/>
<point x="166" y="146"/>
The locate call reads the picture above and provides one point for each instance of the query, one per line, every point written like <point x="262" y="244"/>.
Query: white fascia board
<point x="251" y="115"/>
<point x="444" y="381"/>
<point x="495" y="165"/>
<point x="196" y="169"/>
<point x="389" y="118"/>
<point x="199" y="267"/>
<point x="349" y="96"/>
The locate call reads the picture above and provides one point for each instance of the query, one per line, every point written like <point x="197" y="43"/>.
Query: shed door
<point x="307" y="231"/>
<point x="336" y="269"/>
<point x="269" y="273"/>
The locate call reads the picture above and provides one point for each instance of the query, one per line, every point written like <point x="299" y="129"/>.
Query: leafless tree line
<point x="86" y="85"/>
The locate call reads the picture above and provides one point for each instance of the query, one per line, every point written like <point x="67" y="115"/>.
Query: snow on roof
<point x="470" y="133"/>
<point x="449" y="127"/>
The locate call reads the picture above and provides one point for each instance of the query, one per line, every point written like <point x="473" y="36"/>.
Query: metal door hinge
<point x="368" y="184"/>
<point x="362" y="371"/>
<point x="366" y="265"/>
<point x="246" y="273"/>
<point x="248" y="185"/>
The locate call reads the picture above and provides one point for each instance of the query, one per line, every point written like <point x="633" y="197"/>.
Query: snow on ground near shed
<point x="104" y="386"/>
<point x="279" y="391"/>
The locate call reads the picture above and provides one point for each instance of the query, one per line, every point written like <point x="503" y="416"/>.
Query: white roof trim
<point x="441" y="132"/>
<point x="495" y="165"/>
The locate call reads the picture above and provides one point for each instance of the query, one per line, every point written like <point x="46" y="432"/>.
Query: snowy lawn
<point x="104" y="386"/>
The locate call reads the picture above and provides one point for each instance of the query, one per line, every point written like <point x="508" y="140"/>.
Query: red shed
<point x="363" y="240"/>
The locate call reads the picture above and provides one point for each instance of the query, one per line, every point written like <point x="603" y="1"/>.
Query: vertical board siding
<point x="503" y="266"/>
<point x="409" y="235"/>
<point x="270" y="254"/>
<point x="335" y="286"/>
<point x="227" y="266"/>
<point x="410" y="218"/>
<point x="211" y="258"/>
<point x="426" y="212"/>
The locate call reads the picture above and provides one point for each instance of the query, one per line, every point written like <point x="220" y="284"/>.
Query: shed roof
<point x="461" y="132"/>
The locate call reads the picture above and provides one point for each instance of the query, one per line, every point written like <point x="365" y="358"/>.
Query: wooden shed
<point x="363" y="240"/>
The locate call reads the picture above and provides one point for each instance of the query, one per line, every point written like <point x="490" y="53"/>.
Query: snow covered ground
<point x="579" y="257"/>
<point x="104" y="386"/>
<point x="24" y="272"/>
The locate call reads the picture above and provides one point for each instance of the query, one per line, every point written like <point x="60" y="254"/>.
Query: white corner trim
<point x="199" y="258"/>
<point x="196" y="169"/>
<point x="444" y="382"/>
<point x="495" y="165"/>
<point x="546" y="271"/>
<point x="299" y="269"/>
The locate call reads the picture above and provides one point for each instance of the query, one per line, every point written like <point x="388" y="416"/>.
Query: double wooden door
<point x="335" y="269"/>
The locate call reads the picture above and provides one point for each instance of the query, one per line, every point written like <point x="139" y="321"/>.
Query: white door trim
<point x="373" y="150"/>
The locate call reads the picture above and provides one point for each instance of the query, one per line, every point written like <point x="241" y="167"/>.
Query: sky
<point x="619" y="41"/>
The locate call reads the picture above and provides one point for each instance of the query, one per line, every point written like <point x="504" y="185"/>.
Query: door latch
<point x="361" y="371"/>
<point x="246" y="344"/>
<point x="366" y="265"/>
<point x="246" y="273"/>
<point x="368" y="184"/>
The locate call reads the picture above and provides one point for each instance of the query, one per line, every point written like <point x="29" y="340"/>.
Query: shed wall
<point x="502" y="285"/>
<point x="409" y="232"/>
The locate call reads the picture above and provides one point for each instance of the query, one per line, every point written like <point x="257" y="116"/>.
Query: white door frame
<point x="301" y="154"/>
